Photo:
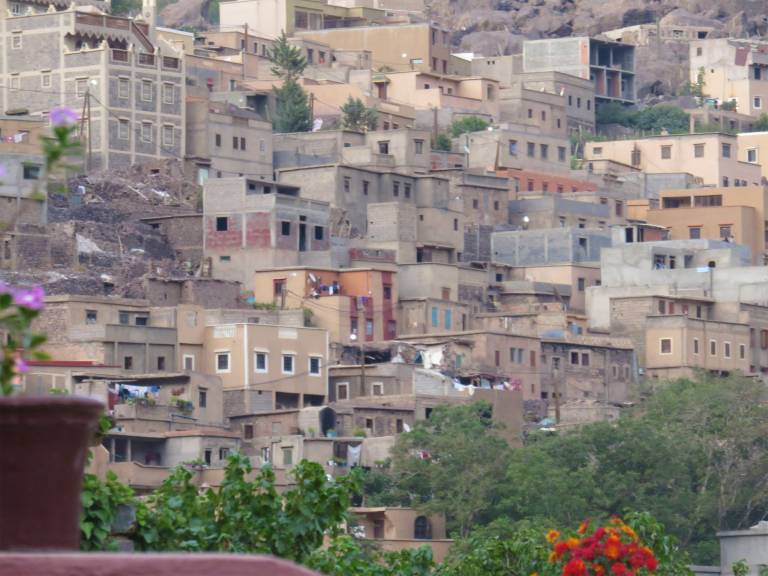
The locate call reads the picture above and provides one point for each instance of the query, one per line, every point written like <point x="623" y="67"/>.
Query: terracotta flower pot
<point x="43" y="445"/>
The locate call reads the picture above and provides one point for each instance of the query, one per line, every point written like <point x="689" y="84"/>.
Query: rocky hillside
<point x="497" y="26"/>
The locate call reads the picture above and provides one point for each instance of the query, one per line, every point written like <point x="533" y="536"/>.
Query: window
<point x="366" y="184"/>
<point x="725" y="181"/>
<point x="619" y="208"/>
<point x="725" y="231"/>
<point x="146" y="131"/>
<point x="146" y="90"/>
<point x="347" y="183"/>
<point x="666" y="152"/>
<point x="208" y="457"/>
<point x="242" y="143"/>
<point x="726" y="349"/>
<point x="757" y="102"/>
<point x="589" y="104"/>
<point x="742" y="351"/>
<point x="561" y="154"/>
<point x="694" y="232"/>
<point x="597" y="151"/>
<point x="496" y="205"/>
<point x="16" y="41"/>
<point x="698" y="150"/>
<point x="543" y="116"/>
<point x="726" y="150"/>
<point x="91" y="316"/>
<point x="585" y="359"/>
<point x="752" y="155"/>
<point x="530" y="112"/>
<point x="396" y="189"/>
<point x="31" y="172"/>
<point x="128" y="363"/>
<point x="575" y="358"/>
<point x="695" y="345"/>
<point x="377" y="389"/>
<point x="544" y="148"/>
<point x="222" y="223"/>
<point x="123" y="129"/>
<point x="223" y="453"/>
<point x="168" y="135"/>
<point x="368" y="329"/>
<point x="384" y="147"/>
<point x="578" y="102"/>
<point x="665" y="346"/>
<point x="435" y="317"/>
<point x="422" y="529"/>
<point x="45" y="79"/>
<point x="713" y="347"/>
<point x="123" y="88"/>
<point x="319" y="232"/>
<point x="581" y="284"/>
<point x="407" y="190"/>
<point x="235" y="142"/>
<point x="513" y="147"/>
<point x="218" y="140"/>
<point x="387" y="292"/>
<point x="288" y="361"/>
<point x="287" y="456"/>
<point x="189" y="362"/>
<point x="168" y="93"/>
<point x="202" y="397"/>
<point x="448" y="318"/>
<point x="419" y="146"/>
<point x="222" y="362"/>
<point x="248" y="431"/>
<point x="314" y="365"/>
<point x="161" y="363"/>
<point x="342" y="391"/>
<point x="285" y="228"/>
<point x="531" y="150"/>
<point x="260" y="362"/>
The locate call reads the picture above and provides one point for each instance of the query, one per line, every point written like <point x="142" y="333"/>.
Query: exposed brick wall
<point x="221" y="240"/>
<point x="257" y="230"/>
<point x="291" y="241"/>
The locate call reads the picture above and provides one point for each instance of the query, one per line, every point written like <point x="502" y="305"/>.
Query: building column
<point x="129" y="450"/>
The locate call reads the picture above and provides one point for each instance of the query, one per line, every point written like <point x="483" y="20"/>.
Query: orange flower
<point x="572" y="543"/>
<point x="583" y="527"/>
<point x="598" y="569"/>
<point x="615" y="520"/>
<point x="552" y="536"/>
<point x="628" y="531"/>
<point x="552" y="557"/>
<point x="613" y="547"/>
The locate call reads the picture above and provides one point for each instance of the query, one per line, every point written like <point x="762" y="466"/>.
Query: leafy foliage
<point x="292" y="108"/>
<point x="100" y="502"/>
<point x="649" y="119"/>
<point x="246" y="516"/>
<point x="449" y="464"/>
<point x="443" y="142"/>
<point x="695" y="458"/>
<point x="762" y="123"/>
<point x="346" y="557"/>
<point x="468" y="124"/>
<point x="288" y="63"/>
<point x="357" y="116"/>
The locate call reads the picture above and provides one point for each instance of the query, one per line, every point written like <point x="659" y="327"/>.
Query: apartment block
<point x="225" y="142"/>
<point x="729" y="214"/>
<point x="266" y="367"/>
<point x="423" y="46"/>
<point x="519" y="148"/>
<point x="609" y="65"/>
<point x="270" y="18"/>
<point x="753" y="148"/>
<point x="250" y="224"/>
<point x="733" y="70"/>
<point x="712" y="158"/>
<point x="135" y="86"/>
<point x="354" y="305"/>
<point x="22" y="196"/>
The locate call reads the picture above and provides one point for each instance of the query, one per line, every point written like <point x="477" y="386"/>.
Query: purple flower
<point x="20" y="365"/>
<point x="32" y="298"/>
<point x="63" y="116"/>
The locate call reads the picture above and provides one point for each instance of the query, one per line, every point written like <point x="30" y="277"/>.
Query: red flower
<point x="575" y="567"/>
<point x="561" y="548"/>
<point x="599" y="533"/>
<point x="619" y="569"/>
<point x="637" y="560"/>
<point x="651" y="563"/>
<point x="613" y="548"/>
<point x="598" y="569"/>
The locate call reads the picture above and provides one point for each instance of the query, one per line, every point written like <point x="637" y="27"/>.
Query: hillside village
<point x="474" y="233"/>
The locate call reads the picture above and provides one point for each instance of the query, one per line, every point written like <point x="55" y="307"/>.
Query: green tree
<point x="346" y="557"/>
<point x="449" y="464"/>
<point x="612" y="113"/>
<point x="762" y="123"/>
<point x="661" y="117"/>
<point x="443" y="142"/>
<point x="291" y="108"/>
<point x="288" y="63"/>
<point x="246" y="516"/>
<point x="100" y="503"/>
<point x="468" y="124"/>
<point x="357" y="116"/>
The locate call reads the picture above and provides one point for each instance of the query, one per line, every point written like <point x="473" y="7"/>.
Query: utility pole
<point x="434" y="125"/>
<point x="85" y="127"/>
<point x="245" y="49"/>
<point x="312" y="110"/>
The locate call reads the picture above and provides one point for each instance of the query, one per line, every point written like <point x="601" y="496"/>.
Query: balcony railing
<point x="170" y="63"/>
<point x="120" y="56"/>
<point x="145" y="59"/>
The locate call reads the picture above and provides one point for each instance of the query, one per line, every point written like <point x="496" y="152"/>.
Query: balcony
<point x="146" y="60"/>
<point x="120" y="56"/>
<point x="123" y="333"/>
<point x="170" y="63"/>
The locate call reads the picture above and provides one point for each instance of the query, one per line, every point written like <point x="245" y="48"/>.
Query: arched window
<point x="422" y="529"/>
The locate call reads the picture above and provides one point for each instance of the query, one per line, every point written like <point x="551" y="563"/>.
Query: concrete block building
<point x="69" y="56"/>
